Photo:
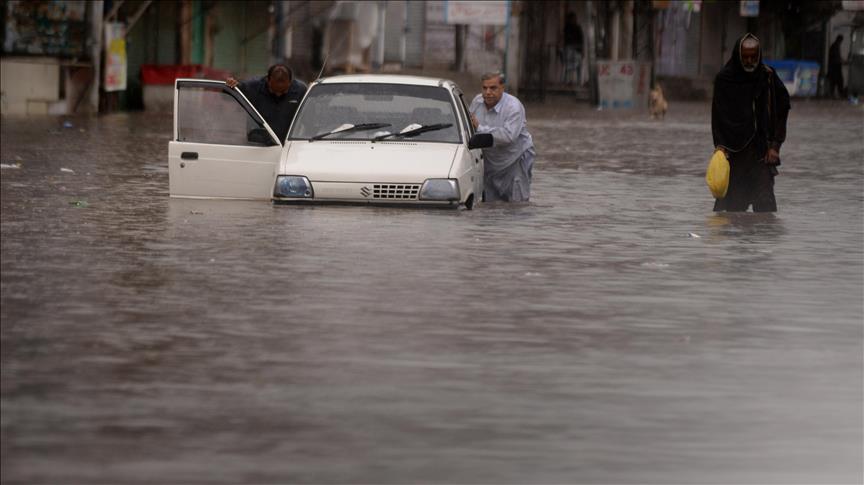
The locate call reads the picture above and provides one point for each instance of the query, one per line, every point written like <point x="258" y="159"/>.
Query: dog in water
<point x="658" y="104"/>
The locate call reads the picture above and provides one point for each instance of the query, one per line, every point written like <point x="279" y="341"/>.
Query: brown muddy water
<point x="614" y="330"/>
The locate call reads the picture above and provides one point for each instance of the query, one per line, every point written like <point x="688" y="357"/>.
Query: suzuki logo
<point x="365" y="191"/>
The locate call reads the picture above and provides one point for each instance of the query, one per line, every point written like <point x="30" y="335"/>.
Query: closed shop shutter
<point x="395" y="20"/>
<point x="416" y="35"/>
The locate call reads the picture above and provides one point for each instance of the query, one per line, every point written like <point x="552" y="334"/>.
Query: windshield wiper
<point x="415" y="131"/>
<point x="342" y="129"/>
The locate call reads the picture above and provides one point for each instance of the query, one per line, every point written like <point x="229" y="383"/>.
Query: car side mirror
<point x="260" y="137"/>
<point x="480" y="140"/>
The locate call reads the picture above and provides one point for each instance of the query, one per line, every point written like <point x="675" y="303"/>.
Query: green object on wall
<point x="197" y="33"/>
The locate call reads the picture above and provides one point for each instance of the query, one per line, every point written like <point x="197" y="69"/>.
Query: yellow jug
<point x="717" y="176"/>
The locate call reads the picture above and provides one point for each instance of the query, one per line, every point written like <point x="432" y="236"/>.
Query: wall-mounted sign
<point x="493" y="12"/>
<point x="749" y="8"/>
<point x="623" y="84"/>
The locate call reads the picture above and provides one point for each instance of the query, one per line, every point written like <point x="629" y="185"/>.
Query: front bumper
<point x="367" y="193"/>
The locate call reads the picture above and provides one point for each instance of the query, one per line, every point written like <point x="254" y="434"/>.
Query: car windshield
<point x="328" y="107"/>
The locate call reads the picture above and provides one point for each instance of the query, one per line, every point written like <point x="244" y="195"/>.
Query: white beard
<point x="749" y="69"/>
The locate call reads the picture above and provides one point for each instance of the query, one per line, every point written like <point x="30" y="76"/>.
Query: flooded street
<point x="614" y="330"/>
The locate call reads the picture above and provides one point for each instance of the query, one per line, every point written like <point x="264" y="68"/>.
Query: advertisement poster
<point x="115" y="57"/>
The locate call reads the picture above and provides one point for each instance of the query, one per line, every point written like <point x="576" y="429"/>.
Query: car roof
<point x="387" y="79"/>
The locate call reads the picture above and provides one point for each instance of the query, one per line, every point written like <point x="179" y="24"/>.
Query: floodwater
<point x="614" y="330"/>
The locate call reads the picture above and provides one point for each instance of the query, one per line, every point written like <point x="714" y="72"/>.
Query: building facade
<point x="57" y="59"/>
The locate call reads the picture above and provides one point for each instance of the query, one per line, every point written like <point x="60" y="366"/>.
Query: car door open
<point x="221" y="147"/>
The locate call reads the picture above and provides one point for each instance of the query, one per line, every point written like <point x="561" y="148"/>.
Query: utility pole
<point x="459" y="57"/>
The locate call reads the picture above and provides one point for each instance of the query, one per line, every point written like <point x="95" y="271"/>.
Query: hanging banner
<point x="115" y="57"/>
<point x="493" y="12"/>
<point x="749" y="8"/>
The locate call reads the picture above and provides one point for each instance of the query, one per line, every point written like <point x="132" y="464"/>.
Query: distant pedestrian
<point x="835" y="69"/>
<point x="573" y="49"/>
<point x="748" y="122"/>
<point x="510" y="160"/>
<point x="276" y="96"/>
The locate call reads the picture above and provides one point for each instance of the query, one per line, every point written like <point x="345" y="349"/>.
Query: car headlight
<point x="292" y="186"/>
<point x="440" y="189"/>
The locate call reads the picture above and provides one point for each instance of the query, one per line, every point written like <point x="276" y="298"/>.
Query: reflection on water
<point x="614" y="330"/>
<point x="747" y="226"/>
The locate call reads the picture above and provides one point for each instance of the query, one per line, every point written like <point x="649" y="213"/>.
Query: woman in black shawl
<point x="748" y="121"/>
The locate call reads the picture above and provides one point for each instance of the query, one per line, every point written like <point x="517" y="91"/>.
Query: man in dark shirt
<point x="572" y="49"/>
<point x="835" y="68"/>
<point x="276" y="96"/>
<point x="748" y="122"/>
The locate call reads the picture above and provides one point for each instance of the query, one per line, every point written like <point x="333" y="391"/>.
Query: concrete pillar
<point x="197" y="53"/>
<point x="403" y="42"/>
<point x="184" y="26"/>
<point x="96" y="43"/>
<point x="591" y="48"/>
<point x="616" y="35"/>
<point x="626" y="43"/>
<point x="514" y="57"/>
<point x="378" y="58"/>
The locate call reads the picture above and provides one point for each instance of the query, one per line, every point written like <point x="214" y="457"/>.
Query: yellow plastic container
<point x="717" y="175"/>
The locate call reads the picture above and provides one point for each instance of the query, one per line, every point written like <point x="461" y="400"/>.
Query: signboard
<point x="694" y="6"/>
<point x="493" y="12"/>
<point x="115" y="57"/>
<point x="623" y="84"/>
<point x="749" y="8"/>
<point x="45" y="28"/>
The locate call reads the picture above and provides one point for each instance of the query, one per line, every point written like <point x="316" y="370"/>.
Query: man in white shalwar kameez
<point x="510" y="160"/>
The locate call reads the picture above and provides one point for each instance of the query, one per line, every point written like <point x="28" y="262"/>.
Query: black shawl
<point x="748" y="106"/>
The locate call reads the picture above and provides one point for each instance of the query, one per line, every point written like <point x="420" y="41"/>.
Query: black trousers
<point x="835" y="82"/>
<point x="751" y="182"/>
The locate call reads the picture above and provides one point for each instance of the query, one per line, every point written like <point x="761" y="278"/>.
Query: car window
<point x="210" y="115"/>
<point x="329" y="106"/>
<point x="464" y="109"/>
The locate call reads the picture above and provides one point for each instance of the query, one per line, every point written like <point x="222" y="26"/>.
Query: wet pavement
<point x="614" y="330"/>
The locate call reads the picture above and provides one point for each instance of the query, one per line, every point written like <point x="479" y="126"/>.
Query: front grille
<point x="395" y="191"/>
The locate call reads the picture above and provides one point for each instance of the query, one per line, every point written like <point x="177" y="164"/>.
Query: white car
<point x="382" y="139"/>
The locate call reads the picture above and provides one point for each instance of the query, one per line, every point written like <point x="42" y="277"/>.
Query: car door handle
<point x="189" y="155"/>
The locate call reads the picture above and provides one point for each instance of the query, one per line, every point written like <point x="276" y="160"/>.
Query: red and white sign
<point x="493" y="12"/>
<point x="623" y="84"/>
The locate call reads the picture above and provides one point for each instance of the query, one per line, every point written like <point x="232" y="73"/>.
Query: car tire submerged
<point x="469" y="202"/>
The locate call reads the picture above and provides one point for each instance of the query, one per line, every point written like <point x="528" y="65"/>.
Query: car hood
<point x="363" y="161"/>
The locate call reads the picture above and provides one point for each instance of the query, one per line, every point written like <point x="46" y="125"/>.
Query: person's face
<point x="278" y="85"/>
<point x="493" y="89"/>
<point x="749" y="57"/>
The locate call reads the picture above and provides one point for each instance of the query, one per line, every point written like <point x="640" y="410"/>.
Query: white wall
<point x="30" y="86"/>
